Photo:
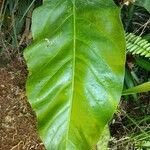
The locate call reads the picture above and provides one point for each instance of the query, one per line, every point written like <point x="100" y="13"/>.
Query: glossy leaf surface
<point x="76" y="70"/>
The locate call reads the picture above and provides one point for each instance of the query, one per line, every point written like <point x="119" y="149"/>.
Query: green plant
<point x="145" y="87"/>
<point x="145" y="64"/>
<point x="137" y="133"/>
<point x="137" y="45"/>
<point x="143" y="3"/>
<point x="15" y="19"/>
<point x="76" y="70"/>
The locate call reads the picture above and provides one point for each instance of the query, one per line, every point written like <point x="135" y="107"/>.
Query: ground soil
<point x="18" y="129"/>
<point x="18" y="124"/>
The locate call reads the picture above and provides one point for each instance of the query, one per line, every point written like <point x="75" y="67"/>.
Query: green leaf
<point x="76" y="70"/>
<point x="145" y="87"/>
<point x="145" y="64"/>
<point x="137" y="45"/>
<point x="104" y="139"/>
<point x="143" y="3"/>
<point x="129" y="81"/>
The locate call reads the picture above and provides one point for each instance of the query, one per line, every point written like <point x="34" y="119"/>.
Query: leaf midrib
<point x="73" y="68"/>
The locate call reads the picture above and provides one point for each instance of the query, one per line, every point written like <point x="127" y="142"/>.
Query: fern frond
<point x="137" y="45"/>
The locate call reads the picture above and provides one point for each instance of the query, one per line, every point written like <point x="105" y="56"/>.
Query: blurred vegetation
<point x="15" y="22"/>
<point x="130" y="127"/>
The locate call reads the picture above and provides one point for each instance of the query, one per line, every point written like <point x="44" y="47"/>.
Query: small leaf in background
<point x="145" y="87"/>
